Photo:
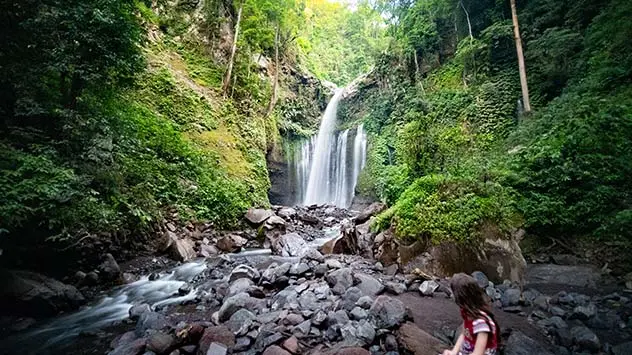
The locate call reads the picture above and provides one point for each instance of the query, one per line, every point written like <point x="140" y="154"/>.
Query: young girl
<point x="480" y="331"/>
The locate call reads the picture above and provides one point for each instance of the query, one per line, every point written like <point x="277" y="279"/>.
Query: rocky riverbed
<point x="276" y="288"/>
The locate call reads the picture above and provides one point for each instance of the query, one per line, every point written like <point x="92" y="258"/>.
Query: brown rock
<point x="257" y="215"/>
<point x="219" y="334"/>
<point x="419" y="342"/>
<point x="275" y="350"/>
<point x="372" y="210"/>
<point x="180" y="249"/>
<point x="231" y="243"/>
<point x="409" y="252"/>
<point x="291" y="344"/>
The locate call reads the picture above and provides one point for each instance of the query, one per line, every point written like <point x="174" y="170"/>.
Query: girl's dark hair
<point x="472" y="299"/>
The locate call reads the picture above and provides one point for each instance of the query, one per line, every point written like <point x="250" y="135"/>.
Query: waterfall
<point x="333" y="167"/>
<point x="299" y="165"/>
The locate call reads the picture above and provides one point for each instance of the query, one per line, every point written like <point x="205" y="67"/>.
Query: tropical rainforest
<point x="116" y="114"/>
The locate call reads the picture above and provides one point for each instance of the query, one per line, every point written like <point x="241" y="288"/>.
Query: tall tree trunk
<point x="277" y="68"/>
<point x="229" y="71"/>
<point x="523" y="71"/>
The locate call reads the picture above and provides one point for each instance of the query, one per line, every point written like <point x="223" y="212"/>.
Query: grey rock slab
<point x="369" y="285"/>
<point x="234" y="303"/>
<point x="364" y="302"/>
<point x="350" y="297"/>
<point x="571" y="275"/>
<point x="481" y="279"/>
<point x="239" y="286"/>
<point x="257" y="215"/>
<point x="137" y="310"/>
<point x="365" y="332"/>
<point x="520" y="344"/>
<point x="244" y="271"/>
<point x="585" y="338"/>
<point x="150" y="321"/>
<point x="217" y="349"/>
<point x="387" y="312"/>
<point x="240" y="322"/>
<point x="358" y="313"/>
<point x="395" y="288"/>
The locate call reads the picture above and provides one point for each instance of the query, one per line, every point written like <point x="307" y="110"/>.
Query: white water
<point x="333" y="168"/>
<point x="300" y="164"/>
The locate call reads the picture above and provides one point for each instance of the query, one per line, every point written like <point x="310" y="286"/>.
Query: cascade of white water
<point x="301" y="163"/>
<point x="340" y="170"/>
<point x="359" y="154"/>
<point x="319" y="182"/>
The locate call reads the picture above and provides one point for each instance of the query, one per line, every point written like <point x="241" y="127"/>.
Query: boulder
<point x="240" y="322"/>
<point x="579" y="275"/>
<point x="520" y="344"/>
<point x="208" y="250"/>
<point x="109" y="269"/>
<point x="340" y="280"/>
<point x="136" y="347"/>
<point x="275" y="222"/>
<point x="290" y="244"/>
<point x="585" y="339"/>
<point x="161" y="343"/>
<point x="216" y="349"/>
<point x="291" y="345"/>
<point x="257" y="216"/>
<point x="481" y="279"/>
<point x="369" y="285"/>
<point x="275" y="350"/>
<point x="24" y="292"/>
<point x="231" y="243"/>
<point x="181" y="249"/>
<point x="372" y="210"/>
<point x="234" y="303"/>
<point x="150" y="321"/>
<point x="387" y="312"/>
<point x="510" y="297"/>
<point x="418" y="342"/>
<point x="137" y="310"/>
<point x="244" y="271"/>
<point x="499" y="258"/>
<point x="287" y="213"/>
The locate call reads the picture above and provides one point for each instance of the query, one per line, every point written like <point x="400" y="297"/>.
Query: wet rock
<point x="520" y="344"/>
<point x="511" y="297"/>
<point x="135" y="347"/>
<point x="395" y="288"/>
<point x="428" y="288"/>
<point x="418" y="342"/>
<point x="240" y="322"/>
<point x="372" y="210"/>
<point x="161" y="343"/>
<point x="109" y="269"/>
<point x="313" y="254"/>
<point x="369" y="285"/>
<point x="387" y="312"/>
<point x="257" y="216"/>
<point x="481" y="279"/>
<point x="390" y="343"/>
<point x="29" y="293"/>
<point x="231" y="243"/>
<point x="218" y="334"/>
<point x="234" y="303"/>
<point x="585" y="338"/>
<point x="244" y="271"/>
<point x="137" y="310"/>
<point x="291" y="345"/>
<point x="150" y="321"/>
<point x="275" y="350"/>
<point x="291" y="244"/>
<point x="123" y="339"/>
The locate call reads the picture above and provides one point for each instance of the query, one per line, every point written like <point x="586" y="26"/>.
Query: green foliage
<point x="442" y="207"/>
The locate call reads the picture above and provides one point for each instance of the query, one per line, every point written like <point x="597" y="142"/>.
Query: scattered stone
<point x="372" y="210"/>
<point x="428" y="288"/>
<point x="150" y="321"/>
<point x="287" y="213"/>
<point x="240" y="322"/>
<point x="387" y="312"/>
<point x="364" y="302"/>
<point x="290" y="244"/>
<point x="303" y="328"/>
<point x="340" y="280"/>
<point x="299" y="269"/>
<point x="350" y="297"/>
<point x="242" y="344"/>
<point x="583" y="312"/>
<point x="275" y="221"/>
<point x="293" y="319"/>
<point x="234" y="303"/>
<point x="333" y="264"/>
<point x="365" y="331"/>
<point x="318" y="318"/>
<point x="390" y="343"/>
<point x="135" y="347"/>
